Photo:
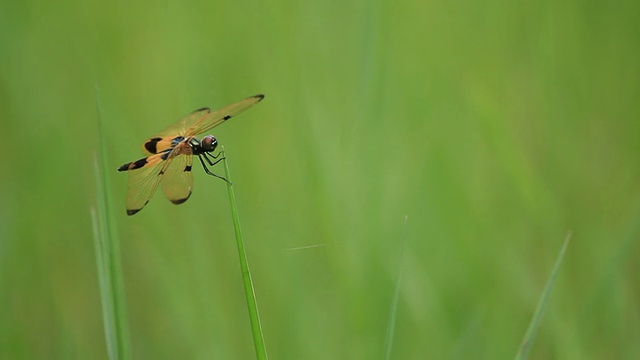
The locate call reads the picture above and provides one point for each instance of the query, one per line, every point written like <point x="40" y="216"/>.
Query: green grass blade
<point x="106" y="300"/>
<point x="394" y="302"/>
<point x="108" y="259"/>
<point x="532" y="330"/>
<point x="254" y="317"/>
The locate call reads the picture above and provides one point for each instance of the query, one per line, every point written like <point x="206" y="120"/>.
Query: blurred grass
<point x="393" y="309"/>
<point x="495" y="126"/>
<point x="108" y="255"/>
<point x="536" y="319"/>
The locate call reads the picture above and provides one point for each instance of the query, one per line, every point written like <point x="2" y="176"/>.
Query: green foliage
<point x="497" y="127"/>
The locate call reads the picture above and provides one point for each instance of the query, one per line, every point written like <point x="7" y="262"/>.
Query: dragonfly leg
<point x="215" y="156"/>
<point x="206" y="169"/>
<point x="212" y="163"/>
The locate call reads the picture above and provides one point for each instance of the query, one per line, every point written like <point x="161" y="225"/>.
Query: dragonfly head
<point x="209" y="143"/>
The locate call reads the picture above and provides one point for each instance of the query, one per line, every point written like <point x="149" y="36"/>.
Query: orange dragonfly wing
<point x="173" y="168"/>
<point x="214" y="118"/>
<point x="195" y="123"/>
<point x="178" y="178"/>
<point x="144" y="177"/>
<point x="171" y="135"/>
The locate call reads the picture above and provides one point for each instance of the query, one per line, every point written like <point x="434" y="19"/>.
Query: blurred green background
<point x="496" y="126"/>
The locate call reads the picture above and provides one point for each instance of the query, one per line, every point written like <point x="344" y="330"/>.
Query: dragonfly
<point x="169" y="156"/>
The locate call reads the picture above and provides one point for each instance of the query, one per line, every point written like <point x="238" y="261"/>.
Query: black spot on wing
<point x="133" y="165"/>
<point x="152" y="145"/>
<point x="226" y="117"/>
<point x="161" y="172"/>
<point x="180" y="201"/>
<point x="202" y="109"/>
<point x="187" y="168"/>
<point x="165" y="155"/>
<point x="138" y="164"/>
<point x="124" y="167"/>
<point x="135" y="211"/>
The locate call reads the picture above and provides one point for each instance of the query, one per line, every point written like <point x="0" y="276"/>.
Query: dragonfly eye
<point x="209" y="143"/>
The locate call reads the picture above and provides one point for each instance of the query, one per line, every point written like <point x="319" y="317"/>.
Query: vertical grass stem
<point x="108" y="258"/>
<point x="252" y="306"/>
<point x="532" y="330"/>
